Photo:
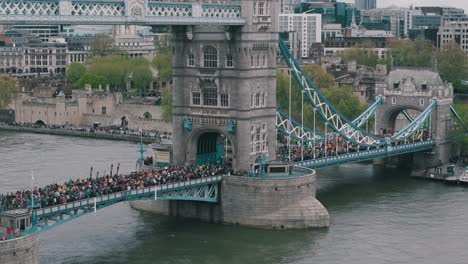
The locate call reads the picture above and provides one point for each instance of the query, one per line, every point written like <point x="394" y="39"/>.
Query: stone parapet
<point x="22" y="250"/>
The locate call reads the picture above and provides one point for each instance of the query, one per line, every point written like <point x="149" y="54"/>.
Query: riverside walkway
<point x="148" y="138"/>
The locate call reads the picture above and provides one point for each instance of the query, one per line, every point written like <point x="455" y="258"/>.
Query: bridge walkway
<point x="202" y="189"/>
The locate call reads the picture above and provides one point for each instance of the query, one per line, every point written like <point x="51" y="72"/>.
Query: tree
<point x="418" y="53"/>
<point x="8" y="90"/>
<point x="452" y="63"/>
<point x="459" y="135"/>
<point x="363" y="54"/>
<point x="142" y="77"/>
<point x="103" y="45"/>
<point x="94" y="80"/>
<point x="75" y="70"/>
<point x="163" y="62"/>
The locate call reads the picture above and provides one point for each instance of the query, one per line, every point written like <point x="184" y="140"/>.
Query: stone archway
<point x="394" y="118"/>
<point x="124" y="122"/>
<point x="147" y="115"/>
<point x="40" y="123"/>
<point x="210" y="146"/>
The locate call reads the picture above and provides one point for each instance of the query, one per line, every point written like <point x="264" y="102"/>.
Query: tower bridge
<point x="115" y="12"/>
<point x="224" y="111"/>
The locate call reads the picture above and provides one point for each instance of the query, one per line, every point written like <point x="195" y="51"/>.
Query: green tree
<point x="142" y="77"/>
<point x="75" y="70"/>
<point x="460" y="134"/>
<point x="452" y="63"/>
<point x="418" y="53"/>
<point x="103" y="45"/>
<point x="8" y="90"/>
<point x="163" y="63"/>
<point x="363" y="54"/>
<point x="93" y="80"/>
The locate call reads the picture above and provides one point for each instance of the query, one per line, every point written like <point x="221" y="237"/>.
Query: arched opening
<point x="397" y="119"/>
<point x="147" y="115"/>
<point x="213" y="148"/>
<point x="124" y="122"/>
<point x="40" y="123"/>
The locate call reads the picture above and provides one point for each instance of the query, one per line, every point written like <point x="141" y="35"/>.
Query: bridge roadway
<point x="114" y="12"/>
<point x="387" y="151"/>
<point x="202" y="189"/>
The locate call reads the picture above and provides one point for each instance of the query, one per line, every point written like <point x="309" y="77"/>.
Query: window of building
<point x="393" y="100"/>
<point x="191" y="60"/>
<point x="225" y="100"/>
<point x="251" y="100"/>
<point x="263" y="61"/>
<point x="210" y="57"/>
<point x="396" y="85"/>
<point x="210" y="96"/>
<point x="258" y="61"/>
<point x="251" y="61"/>
<point x="196" y="98"/>
<point x="104" y="110"/>
<point x="263" y="99"/>
<point x="257" y="99"/>
<point x="424" y="87"/>
<point x="229" y="61"/>
<point x="421" y="102"/>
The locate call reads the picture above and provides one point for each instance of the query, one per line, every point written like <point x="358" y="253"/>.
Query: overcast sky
<point x="405" y="3"/>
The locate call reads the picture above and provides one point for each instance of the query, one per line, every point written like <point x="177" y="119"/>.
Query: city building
<point x="308" y="28"/>
<point x="400" y="19"/>
<point x="79" y="47"/>
<point x="365" y="4"/>
<point x="331" y="31"/>
<point x="453" y="32"/>
<point x="447" y="13"/>
<point x="287" y="6"/>
<point x="127" y="39"/>
<point x="44" y="32"/>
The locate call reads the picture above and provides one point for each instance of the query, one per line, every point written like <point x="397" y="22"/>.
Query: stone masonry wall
<point x="263" y="203"/>
<point x="23" y="250"/>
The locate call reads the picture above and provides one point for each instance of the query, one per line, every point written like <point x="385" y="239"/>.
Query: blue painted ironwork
<point x="204" y="190"/>
<point x="455" y="113"/>
<point x="326" y="111"/>
<point x="231" y="126"/>
<point x="407" y="115"/>
<point x="188" y="124"/>
<point x="417" y="123"/>
<point x="90" y="12"/>
<point x="364" y="155"/>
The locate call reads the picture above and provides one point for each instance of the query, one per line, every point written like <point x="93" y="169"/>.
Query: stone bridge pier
<point x="409" y="91"/>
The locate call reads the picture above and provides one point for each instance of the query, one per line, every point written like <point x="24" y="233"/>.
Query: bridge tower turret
<point x="224" y="86"/>
<point x="407" y="92"/>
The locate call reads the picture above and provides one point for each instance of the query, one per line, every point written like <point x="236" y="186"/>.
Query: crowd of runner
<point x="73" y="190"/>
<point x="334" y="146"/>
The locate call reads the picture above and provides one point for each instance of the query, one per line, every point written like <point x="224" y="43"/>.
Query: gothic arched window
<point x="210" y="57"/>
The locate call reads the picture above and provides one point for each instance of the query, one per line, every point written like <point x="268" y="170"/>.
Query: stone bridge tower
<point x="413" y="89"/>
<point x="224" y="95"/>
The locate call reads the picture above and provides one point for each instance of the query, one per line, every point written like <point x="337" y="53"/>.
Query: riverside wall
<point x="72" y="133"/>
<point x="22" y="250"/>
<point x="273" y="203"/>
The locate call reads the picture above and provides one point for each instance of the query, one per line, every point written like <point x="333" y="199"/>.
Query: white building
<point x="126" y="38"/>
<point x="308" y="28"/>
<point x="453" y="32"/>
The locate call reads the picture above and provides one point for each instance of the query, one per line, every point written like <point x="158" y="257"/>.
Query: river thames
<point x="377" y="216"/>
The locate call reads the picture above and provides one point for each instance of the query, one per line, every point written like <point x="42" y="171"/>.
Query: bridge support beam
<point x="273" y="203"/>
